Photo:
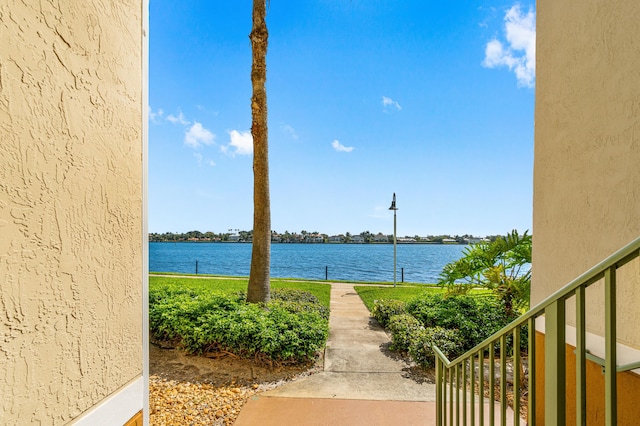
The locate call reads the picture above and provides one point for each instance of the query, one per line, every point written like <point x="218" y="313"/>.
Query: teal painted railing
<point x="460" y="387"/>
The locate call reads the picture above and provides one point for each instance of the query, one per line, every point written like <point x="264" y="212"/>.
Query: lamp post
<point x="394" y="208"/>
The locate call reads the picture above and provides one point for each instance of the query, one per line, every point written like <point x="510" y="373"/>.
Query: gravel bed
<point x="183" y="403"/>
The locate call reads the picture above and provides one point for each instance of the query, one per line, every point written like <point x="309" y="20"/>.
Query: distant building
<point x="380" y="238"/>
<point x="406" y="240"/>
<point x="357" y="239"/>
<point x="314" y="238"/>
<point x="472" y="240"/>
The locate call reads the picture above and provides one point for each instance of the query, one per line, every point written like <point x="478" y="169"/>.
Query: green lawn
<point x="405" y="293"/>
<point x="369" y="294"/>
<point x="231" y="285"/>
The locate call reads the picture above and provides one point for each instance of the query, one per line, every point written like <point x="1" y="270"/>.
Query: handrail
<point x="553" y="307"/>
<point x="620" y="368"/>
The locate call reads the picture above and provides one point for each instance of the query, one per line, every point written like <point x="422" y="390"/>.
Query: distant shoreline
<point x="316" y="243"/>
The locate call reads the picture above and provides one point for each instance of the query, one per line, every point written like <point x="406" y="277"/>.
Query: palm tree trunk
<point x="259" y="277"/>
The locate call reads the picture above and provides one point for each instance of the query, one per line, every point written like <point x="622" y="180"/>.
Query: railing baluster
<point x="517" y="362"/>
<point x="555" y="364"/>
<point x="472" y="388"/>
<point x="481" y="382"/>
<point x="531" y="366"/>
<point x="581" y="372"/>
<point x="457" y="394"/>
<point x="451" y="396"/>
<point x="492" y="384"/>
<point x="503" y="380"/>
<point x="610" y="358"/>
<point x="439" y="385"/>
<point x="464" y="393"/>
<point x="445" y="371"/>
<point x="444" y="395"/>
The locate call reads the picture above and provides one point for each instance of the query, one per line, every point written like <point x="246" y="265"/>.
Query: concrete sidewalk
<point x="362" y="382"/>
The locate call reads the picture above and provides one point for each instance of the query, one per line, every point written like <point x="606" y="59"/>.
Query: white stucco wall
<point x="71" y="215"/>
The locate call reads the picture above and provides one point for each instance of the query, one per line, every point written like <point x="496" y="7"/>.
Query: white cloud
<point x="155" y="116"/>
<point x="178" y="119"/>
<point x="240" y="143"/>
<point x="519" y="53"/>
<point x="201" y="160"/>
<point x="290" y="131"/>
<point x="341" y="148"/>
<point x="390" y="102"/>
<point x="198" y="135"/>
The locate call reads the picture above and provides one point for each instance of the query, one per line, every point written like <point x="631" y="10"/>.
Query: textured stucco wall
<point x="587" y="149"/>
<point x="70" y="205"/>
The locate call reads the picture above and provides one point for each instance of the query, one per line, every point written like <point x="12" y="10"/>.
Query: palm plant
<point x="502" y="266"/>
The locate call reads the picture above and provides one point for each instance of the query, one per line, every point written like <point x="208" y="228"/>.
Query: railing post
<point x="610" y="358"/>
<point x="555" y="364"/>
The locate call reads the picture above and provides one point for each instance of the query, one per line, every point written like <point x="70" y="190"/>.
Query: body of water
<point x="421" y="263"/>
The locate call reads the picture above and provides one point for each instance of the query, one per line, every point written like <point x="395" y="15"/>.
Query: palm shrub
<point x="501" y="266"/>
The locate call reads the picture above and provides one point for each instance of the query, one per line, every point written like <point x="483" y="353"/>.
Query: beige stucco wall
<point x="70" y="206"/>
<point x="587" y="149"/>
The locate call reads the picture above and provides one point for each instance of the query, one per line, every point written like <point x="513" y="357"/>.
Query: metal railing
<point x="461" y="384"/>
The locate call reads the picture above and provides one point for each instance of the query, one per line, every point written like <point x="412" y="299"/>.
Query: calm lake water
<point x="421" y="263"/>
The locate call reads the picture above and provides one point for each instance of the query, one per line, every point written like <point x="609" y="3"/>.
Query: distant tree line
<point x="365" y="237"/>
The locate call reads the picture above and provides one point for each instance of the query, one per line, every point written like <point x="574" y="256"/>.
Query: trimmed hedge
<point x="404" y="330"/>
<point x="384" y="309"/>
<point x="293" y="326"/>
<point x="454" y="324"/>
<point x="476" y="318"/>
<point x="450" y="342"/>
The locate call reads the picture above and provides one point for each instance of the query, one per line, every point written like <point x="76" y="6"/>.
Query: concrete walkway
<point x="362" y="382"/>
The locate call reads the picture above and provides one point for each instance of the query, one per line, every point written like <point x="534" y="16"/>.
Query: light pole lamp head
<point x="393" y="203"/>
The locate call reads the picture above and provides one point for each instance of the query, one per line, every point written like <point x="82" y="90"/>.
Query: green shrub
<point x="293" y="335"/>
<point x="296" y="301"/>
<point x="294" y="326"/>
<point x="450" y="342"/>
<point x="294" y="295"/>
<point x="404" y="330"/>
<point x="476" y="318"/>
<point x="170" y="316"/>
<point x="383" y="310"/>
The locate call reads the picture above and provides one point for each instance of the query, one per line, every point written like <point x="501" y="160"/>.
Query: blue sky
<point x="430" y="100"/>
